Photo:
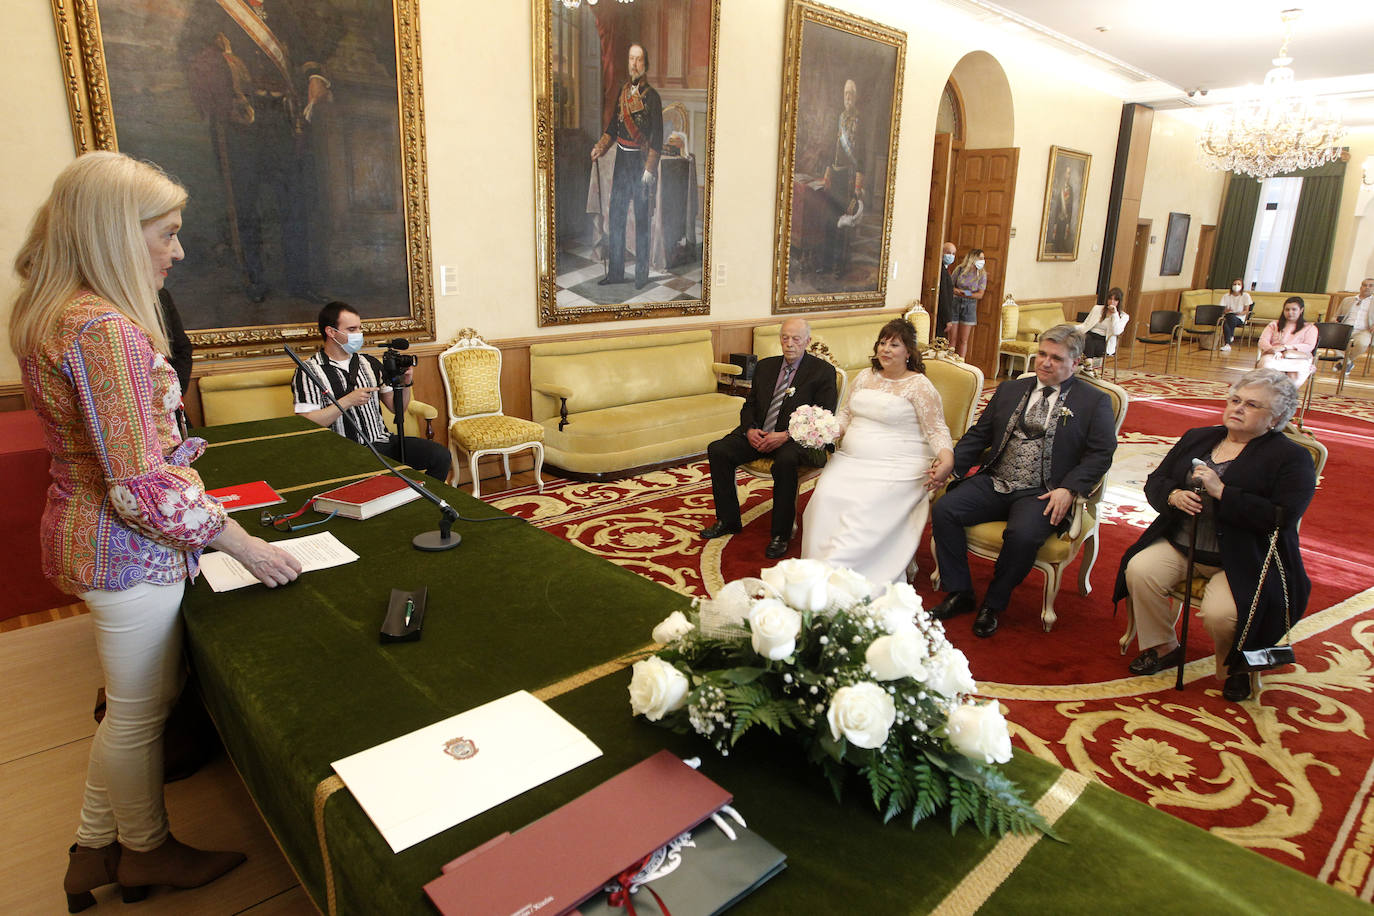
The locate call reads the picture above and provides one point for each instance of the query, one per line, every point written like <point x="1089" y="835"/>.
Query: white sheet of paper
<point x="314" y="551"/>
<point x="412" y="787"/>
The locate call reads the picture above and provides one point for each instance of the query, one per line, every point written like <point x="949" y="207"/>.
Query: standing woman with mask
<point x="1236" y="304"/>
<point x="126" y="517"/>
<point x="970" y="282"/>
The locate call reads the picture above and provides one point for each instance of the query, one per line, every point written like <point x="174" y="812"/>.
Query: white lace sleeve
<point x="930" y="413"/>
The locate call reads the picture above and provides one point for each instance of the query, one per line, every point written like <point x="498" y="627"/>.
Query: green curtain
<point x="1314" y="229"/>
<point x="1233" y="232"/>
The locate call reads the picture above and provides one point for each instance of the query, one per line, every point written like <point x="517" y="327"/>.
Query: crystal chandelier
<point x="1275" y="130"/>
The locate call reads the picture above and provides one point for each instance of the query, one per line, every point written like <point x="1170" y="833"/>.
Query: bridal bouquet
<point x="813" y="428"/>
<point x="861" y="675"/>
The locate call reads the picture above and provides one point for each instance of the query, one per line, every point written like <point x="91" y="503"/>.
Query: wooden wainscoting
<point x="12" y="396"/>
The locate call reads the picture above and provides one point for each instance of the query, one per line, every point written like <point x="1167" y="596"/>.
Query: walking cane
<point x="1188" y="584"/>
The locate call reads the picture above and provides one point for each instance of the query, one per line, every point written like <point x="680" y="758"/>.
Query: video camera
<point x="395" y="364"/>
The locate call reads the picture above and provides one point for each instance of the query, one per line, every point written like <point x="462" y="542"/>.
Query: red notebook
<point x="564" y="858"/>
<point x="366" y="498"/>
<point x="246" y="496"/>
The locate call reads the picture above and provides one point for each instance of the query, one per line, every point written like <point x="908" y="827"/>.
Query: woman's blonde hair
<point x="89" y="234"/>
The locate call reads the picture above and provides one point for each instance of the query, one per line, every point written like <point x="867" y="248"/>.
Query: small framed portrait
<point x="1065" y="187"/>
<point x="842" y="92"/>
<point x="1175" y="241"/>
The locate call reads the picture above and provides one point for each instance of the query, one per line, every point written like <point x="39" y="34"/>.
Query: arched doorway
<point x="973" y="186"/>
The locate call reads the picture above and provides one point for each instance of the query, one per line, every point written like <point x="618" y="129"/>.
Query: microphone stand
<point x="433" y="541"/>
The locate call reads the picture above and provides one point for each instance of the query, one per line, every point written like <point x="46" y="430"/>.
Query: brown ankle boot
<point x="88" y="868"/>
<point x="172" y="864"/>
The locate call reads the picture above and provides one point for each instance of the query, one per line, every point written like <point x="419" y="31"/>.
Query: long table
<point x="295" y="678"/>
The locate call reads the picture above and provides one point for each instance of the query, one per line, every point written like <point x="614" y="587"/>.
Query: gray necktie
<point x="1037" y="416"/>
<point x="784" y="380"/>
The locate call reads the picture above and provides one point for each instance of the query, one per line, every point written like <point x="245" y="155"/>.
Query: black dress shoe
<point x="955" y="603"/>
<point x="1151" y="662"/>
<point x="718" y="529"/>
<point x="1237" y="686"/>
<point x="608" y="280"/>
<point x="776" y="548"/>
<point x="985" y="624"/>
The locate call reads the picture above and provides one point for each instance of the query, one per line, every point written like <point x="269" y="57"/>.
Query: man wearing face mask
<point x="1237" y="304"/>
<point x="353" y="379"/>
<point x="944" y="309"/>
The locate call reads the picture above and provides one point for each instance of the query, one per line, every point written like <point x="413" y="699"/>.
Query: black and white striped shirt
<point x="359" y="371"/>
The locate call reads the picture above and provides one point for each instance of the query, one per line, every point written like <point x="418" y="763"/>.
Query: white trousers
<point x="138" y="639"/>
<point x="1359" y="343"/>
<point x="1149" y="577"/>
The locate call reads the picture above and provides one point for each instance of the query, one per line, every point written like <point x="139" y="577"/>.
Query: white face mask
<point x="352" y="343"/>
<point x="947" y="258"/>
<point x="978" y="263"/>
<point x="1236" y="288"/>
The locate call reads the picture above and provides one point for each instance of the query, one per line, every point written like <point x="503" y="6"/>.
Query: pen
<point x="410" y="609"/>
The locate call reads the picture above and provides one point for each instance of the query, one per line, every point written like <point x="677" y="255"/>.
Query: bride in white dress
<point x="869" y="506"/>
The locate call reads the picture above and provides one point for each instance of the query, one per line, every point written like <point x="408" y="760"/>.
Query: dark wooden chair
<point x="1206" y="326"/>
<point x="1162" y="332"/>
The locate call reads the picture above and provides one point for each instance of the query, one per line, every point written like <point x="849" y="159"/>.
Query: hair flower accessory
<point x="862" y="677"/>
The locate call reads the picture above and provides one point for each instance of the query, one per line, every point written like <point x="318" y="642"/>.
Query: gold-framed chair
<point x="471" y="369"/>
<point x="1198" y="586"/>
<point x="763" y="467"/>
<point x="1058" y="551"/>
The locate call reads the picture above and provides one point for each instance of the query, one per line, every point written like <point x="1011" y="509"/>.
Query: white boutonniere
<point x="1064" y="414"/>
<point x="791" y="391"/>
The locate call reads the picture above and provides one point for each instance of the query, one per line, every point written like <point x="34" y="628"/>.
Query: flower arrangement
<point x="863" y="676"/>
<point x="813" y="428"/>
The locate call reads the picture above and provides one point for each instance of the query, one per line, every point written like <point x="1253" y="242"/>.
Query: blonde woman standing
<point x="126" y="517"/>
<point x="970" y="282"/>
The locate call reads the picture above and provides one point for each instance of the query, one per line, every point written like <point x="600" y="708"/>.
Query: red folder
<point x="246" y="496"/>
<point x="566" y="856"/>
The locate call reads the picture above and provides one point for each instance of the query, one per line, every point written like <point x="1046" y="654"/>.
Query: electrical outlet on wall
<point x="448" y="281"/>
<point x="893" y="274"/>
<point x="720" y="273"/>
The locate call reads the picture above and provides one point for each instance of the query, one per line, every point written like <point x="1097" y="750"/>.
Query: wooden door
<point x="984" y="190"/>
<point x="1202" y="264"/>
<point x="1139" y="250"/>
<point x="935" y="227"/>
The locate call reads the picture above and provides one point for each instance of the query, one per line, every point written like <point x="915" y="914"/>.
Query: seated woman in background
<point x="870" y="507"/>
<point x="1287" y="343"/>
<point x="1236" y="307"/>
<point x="1255" y="483"/>
<point x="1102" y="327"/>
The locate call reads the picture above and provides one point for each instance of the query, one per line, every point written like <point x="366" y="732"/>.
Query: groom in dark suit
<point x="781" y="384"/>
<point x="1040" y="443"/>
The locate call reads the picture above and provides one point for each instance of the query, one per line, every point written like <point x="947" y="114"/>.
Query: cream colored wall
<point x="1352" y="252"/>
<point x="1175" y="182"/>
<point x="478" y="113"/>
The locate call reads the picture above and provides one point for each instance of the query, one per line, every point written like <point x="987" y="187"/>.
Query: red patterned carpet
<point x="1288" y="775"/>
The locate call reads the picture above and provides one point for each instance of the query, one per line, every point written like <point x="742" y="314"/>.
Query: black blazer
<point x="1269" y="484"/>
<point x="944" y="309"/>
<point x="1084" y="438"/>
<point x="814" y="383"/>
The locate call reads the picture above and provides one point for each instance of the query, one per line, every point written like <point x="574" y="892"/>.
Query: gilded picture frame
<point x="1061" y="224"/>
<point x="841" y="104"/>
<point x="591" y="189"/>
<point x="306" y="178"/>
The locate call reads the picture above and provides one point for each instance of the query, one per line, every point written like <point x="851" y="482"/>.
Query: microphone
<point x="443" y="538"/>
<point x="398" y="343"/>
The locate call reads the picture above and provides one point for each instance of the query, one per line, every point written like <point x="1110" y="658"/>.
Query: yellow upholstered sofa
<point x="610" y="406"/>
<point x="1022" y="326"/>
<point x="849" y="339"/>
<point x="1268" y="306"/>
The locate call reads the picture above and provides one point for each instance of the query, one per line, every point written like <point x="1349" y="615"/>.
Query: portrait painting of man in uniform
<point x="1063" y="217"/>
<point x="841" y="94"/>
<point x="624" y="119"/>
<point x="282" y="119"/>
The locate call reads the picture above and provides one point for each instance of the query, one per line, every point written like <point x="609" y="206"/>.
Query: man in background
<point x="944" y="310"/>
<point x="1359" y="314"/>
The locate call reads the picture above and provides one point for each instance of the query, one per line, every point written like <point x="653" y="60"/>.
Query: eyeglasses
<point x="1236" y="401"/>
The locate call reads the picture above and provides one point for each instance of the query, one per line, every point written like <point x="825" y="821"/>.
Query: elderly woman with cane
<point x="1235" y="493"/>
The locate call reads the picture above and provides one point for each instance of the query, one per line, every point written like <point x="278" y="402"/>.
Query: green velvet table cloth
<point x="295" y="678"/>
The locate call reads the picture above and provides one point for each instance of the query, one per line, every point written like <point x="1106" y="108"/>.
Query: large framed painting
<point x="624" y="124"/>
<point x="841" y="95"/>
<point x="298" y="129"/>
<point x="1175" y="240"/>
<point x="1065" y="187"/>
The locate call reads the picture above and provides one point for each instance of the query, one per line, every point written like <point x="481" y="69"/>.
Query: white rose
<point x="898" y="656"/>
<point x="656" y="688"/>
<point x="773" y="629"/>
<point x="863" y="714"/>
<point x="949" y="674"/>
<point x="731" y="605"/>
<point x="847" y="588"/>
<point x="800" y="582"/>
<point x="672" y="627"/>
<point x="897" y="607"/>
<point x="979" y="732"/>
